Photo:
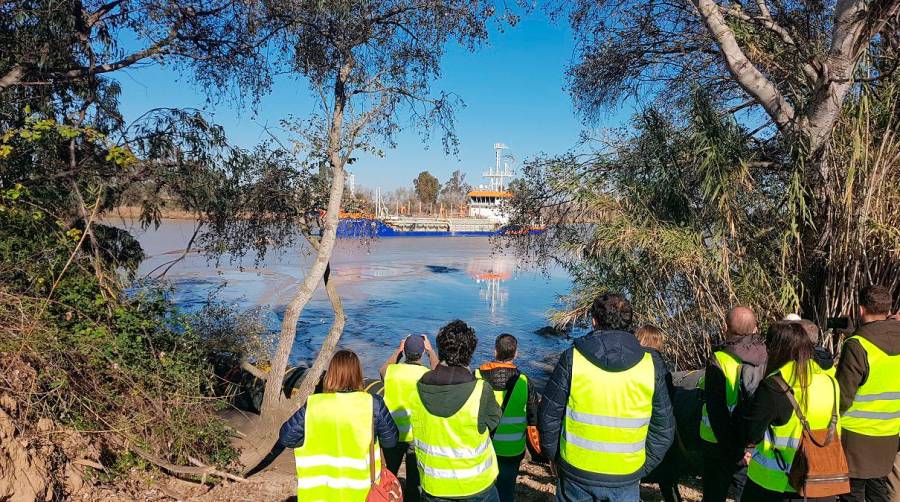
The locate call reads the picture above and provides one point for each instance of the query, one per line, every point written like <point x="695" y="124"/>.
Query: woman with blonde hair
<point x="333" y="432"/>
<point x="650" y="337"/>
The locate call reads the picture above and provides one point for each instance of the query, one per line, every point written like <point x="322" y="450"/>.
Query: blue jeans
<point x="489" y="495"/>
<point x="569" y="491"/>
<point x="506" y="478"/>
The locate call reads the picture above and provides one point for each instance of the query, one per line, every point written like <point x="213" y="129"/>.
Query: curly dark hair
<point x="611" y="311"/>
<point x="456" y="343"/>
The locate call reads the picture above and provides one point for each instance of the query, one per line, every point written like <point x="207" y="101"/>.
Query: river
<point x="390" y="288"/>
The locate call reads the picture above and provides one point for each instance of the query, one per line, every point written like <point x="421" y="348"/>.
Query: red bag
<point x="388" y="489"/>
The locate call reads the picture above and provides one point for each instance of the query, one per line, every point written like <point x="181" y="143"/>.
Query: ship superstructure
<point x="485" y="213"/>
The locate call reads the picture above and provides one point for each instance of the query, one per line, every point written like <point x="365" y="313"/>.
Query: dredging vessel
<point x="484" y="214"/>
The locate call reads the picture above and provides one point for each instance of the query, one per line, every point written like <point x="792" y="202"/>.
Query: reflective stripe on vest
<point x="399" y="383"/>
<point x="731" y="368"/>
<point x="333" y="463"/>
<point x="454" y="458"/>
<point x="772" y="458"/>
<point x="607" y="416"/>
<point x="509" y="438"/>
<point x="875" y="410"/>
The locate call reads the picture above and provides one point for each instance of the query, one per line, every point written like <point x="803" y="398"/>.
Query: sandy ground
<point x="277" y="482"/>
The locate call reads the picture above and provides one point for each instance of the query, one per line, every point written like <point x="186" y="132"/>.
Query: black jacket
<point x="751" y="351"/>
<point x="293" y="432"/>
<point x="769" y="407"/>
<point x="503" y="376"/>
<point x="611" y="351"/>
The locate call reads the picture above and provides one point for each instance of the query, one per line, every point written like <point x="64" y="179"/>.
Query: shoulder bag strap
<point x="789" y="392"/>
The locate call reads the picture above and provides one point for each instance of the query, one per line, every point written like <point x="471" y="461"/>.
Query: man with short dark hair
<point x="731" y="376"/>
<point x="399" y="382"/>
<point x="519" y="402"/>
<point x="870" y="397"/>
<point x="605" y="419"/>
<point x="452" y="415"/>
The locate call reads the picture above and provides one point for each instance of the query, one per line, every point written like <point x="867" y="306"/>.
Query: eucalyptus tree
<point x="744" y="159"/>
<point x="371" y="64"/>
<point x="676" y="210"/>
<point x="427" y="187"/>
<point x="50" y="43"/>
<point x="793" y="62"/>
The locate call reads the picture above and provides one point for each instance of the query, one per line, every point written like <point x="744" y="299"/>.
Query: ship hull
<point x="372" y="228"/>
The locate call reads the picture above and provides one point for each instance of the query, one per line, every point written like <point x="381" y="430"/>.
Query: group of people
<point x="605" y="419"/>
<point x="758" y="390"/>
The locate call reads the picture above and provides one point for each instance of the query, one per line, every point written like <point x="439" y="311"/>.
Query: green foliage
<point x="427" y="187"/>
<point x="137" y="368"/>
<point x="682" y="217"/>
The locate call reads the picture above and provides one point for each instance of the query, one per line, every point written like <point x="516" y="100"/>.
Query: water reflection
<point x="394" y="287"/>
<point x="490" y="273"/>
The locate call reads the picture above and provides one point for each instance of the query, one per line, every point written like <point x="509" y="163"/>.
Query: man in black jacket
<point x="867" y="375"/>
<point x="743" y="358"/>
<point x="611" y="350"/>
<point x="445" y="390"/>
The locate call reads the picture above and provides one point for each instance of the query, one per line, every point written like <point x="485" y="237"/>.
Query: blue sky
<point x="513" y="89"/>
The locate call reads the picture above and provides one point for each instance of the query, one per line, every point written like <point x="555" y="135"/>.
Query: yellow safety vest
<point x="731" y="367"/>
<point x="772" y="458"/>
<point x="399" y="384"/>
<point x="607" y="417"/>
<point x="876" y="407"/>
<point x="509" y="438"/>
<point x="454" y="458"/>
<point x="333" y="463"/>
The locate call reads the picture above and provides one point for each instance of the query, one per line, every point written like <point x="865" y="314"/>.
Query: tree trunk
<point x="314" y="374"/>
<point x="275" y="407"/>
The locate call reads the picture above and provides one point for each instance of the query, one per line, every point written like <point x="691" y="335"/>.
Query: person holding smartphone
<point x="400" y="379"/>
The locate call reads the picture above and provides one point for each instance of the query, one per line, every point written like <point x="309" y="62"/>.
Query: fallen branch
<point x="253" y="370"/>
<point x="199" y="469"/>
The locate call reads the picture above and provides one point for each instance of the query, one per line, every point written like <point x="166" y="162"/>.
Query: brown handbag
<point x="388" y="488"/>
<point x="819" y="468"/>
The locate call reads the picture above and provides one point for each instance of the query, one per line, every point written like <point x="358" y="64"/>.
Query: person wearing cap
<point x="400" y="380"/>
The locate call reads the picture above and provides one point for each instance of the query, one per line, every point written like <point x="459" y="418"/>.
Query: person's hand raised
<point x="427" y="343"/>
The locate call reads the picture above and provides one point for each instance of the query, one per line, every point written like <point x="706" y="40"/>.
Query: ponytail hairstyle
<point x="344" y="373"/>
<point x="786" y="342"/>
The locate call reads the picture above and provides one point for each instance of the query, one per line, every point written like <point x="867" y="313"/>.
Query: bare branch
<point x="253" y="370"/>
<point x="100" y="13"/>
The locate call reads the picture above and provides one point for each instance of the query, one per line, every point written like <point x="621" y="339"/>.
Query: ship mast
<point x="497" y="174"/>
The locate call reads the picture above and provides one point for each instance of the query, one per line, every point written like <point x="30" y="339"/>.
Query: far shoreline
<point x="134" y="213"/>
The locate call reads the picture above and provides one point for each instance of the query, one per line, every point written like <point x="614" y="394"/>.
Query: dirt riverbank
<point x="277" y="482"/>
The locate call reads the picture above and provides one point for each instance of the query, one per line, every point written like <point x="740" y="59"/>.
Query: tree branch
<point x="253" y="370"/>
<point x="751" y="80"/>
<point x="15" y="75"/>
